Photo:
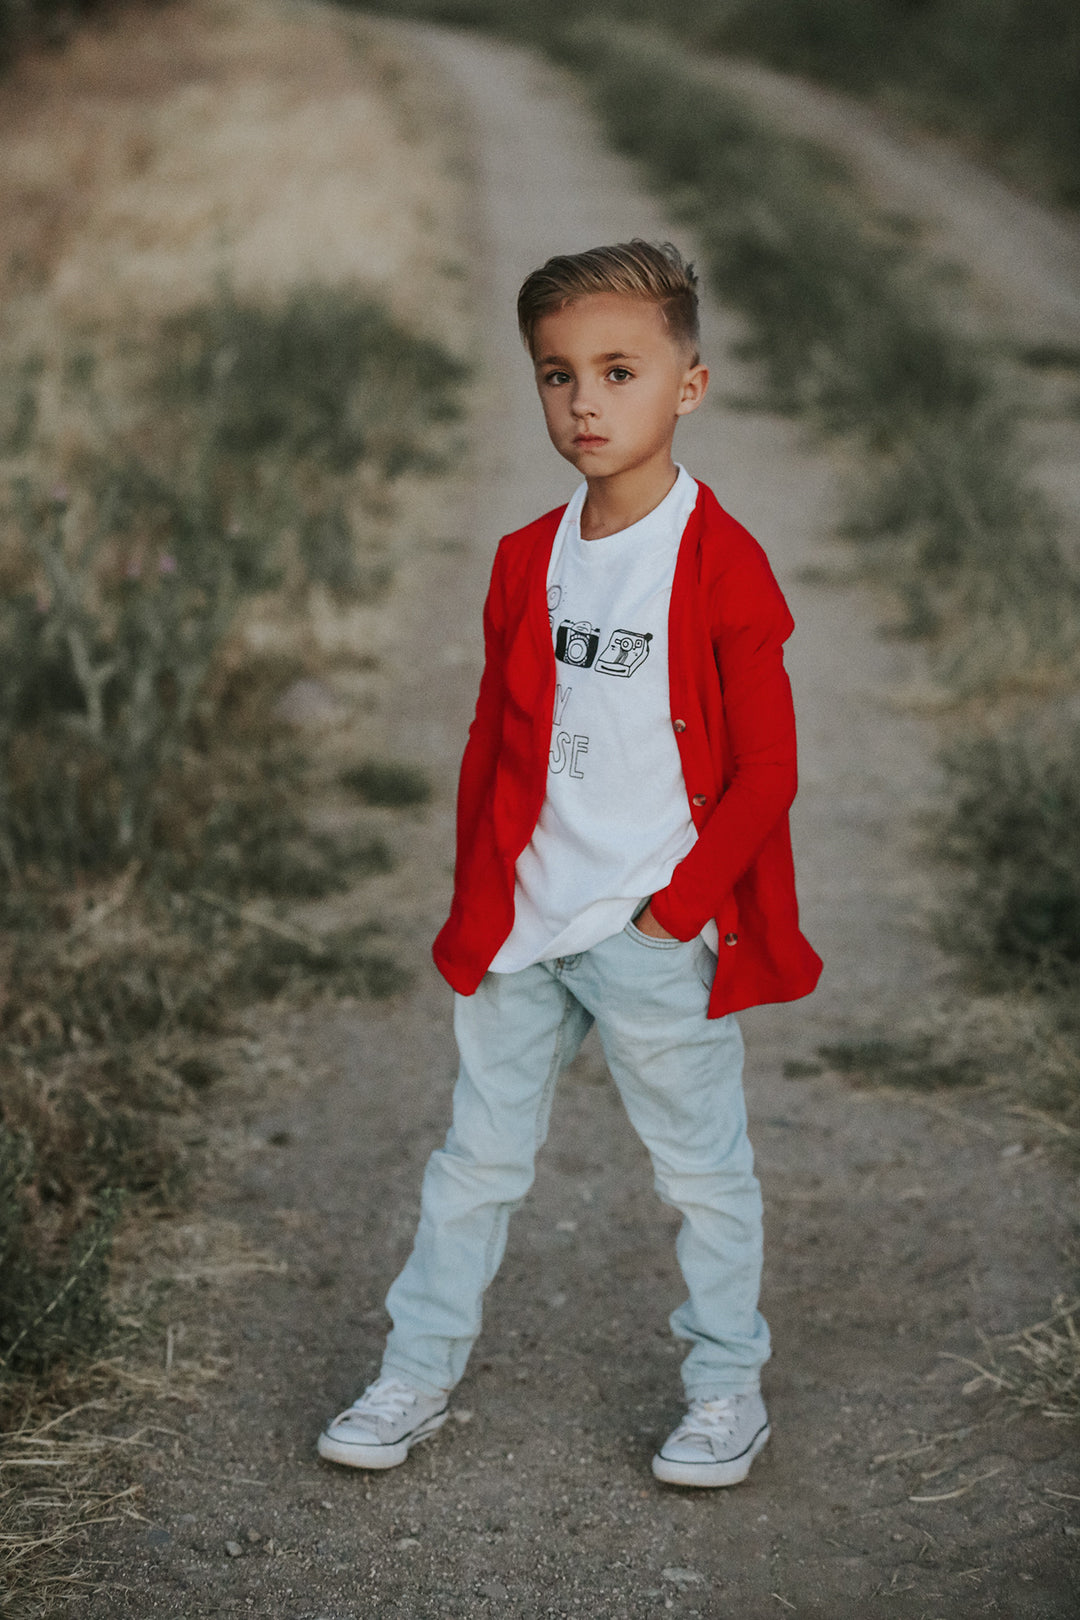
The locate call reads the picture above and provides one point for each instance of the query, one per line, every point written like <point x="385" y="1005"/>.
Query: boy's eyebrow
<point x="608" y="359"/>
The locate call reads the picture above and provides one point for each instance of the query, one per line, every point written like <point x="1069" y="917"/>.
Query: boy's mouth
<point x="588" y="441"/>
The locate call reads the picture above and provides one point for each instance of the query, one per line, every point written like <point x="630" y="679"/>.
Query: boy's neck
<point x="616" y="503"/>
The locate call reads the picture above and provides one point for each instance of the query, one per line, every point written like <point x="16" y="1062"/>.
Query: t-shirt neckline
<point x="636" y="535"/>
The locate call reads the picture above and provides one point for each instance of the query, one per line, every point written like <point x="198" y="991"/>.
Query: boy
<point x="623" y="859"/>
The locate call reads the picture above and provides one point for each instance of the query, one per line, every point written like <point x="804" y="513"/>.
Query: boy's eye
<point x="619" y="374"/>
<point x="557" y="377"/>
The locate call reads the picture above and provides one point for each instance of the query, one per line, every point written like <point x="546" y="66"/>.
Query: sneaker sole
<point x="353" y="1455"/>
<point x="709" y="1475"/>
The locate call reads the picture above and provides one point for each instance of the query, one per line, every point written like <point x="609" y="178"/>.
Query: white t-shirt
<point x="615" y="820"/>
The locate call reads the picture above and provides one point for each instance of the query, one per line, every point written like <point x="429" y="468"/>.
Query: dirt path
<point x="896" y="1229"/>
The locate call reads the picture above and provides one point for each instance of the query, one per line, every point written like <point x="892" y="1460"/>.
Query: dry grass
<point x="1036" y="1368"/>
<point x="69" y="1445"/>
<point x="61" y="1478"/>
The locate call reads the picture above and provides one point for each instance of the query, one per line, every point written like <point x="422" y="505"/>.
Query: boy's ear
<point x="693" y="389"/>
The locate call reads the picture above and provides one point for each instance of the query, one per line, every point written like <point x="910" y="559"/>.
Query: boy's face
<point x="613" y="382"/>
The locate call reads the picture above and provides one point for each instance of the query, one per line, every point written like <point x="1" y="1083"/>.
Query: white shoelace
<point x="386" y="1398"/>
<point x="711" y="1419"/>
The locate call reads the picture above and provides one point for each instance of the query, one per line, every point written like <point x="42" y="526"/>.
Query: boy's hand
<point x="646" y="923"/>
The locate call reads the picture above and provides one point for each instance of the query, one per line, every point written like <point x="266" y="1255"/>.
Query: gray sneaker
<point x="715" y="1443"/>
<point x="378" y="1428"/>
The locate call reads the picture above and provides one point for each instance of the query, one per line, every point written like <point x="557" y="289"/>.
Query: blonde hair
<point x="652" y="270"/>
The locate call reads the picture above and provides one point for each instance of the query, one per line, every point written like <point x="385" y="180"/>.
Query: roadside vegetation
<point x="1004" y="76"/>
<point x="855" y="335"/>
<point x="154" y="836"/>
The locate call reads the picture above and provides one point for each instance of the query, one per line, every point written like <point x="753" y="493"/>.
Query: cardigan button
<point x="700" y="798"/>
<point x="679" y="725"/>
<point x="731" y="939"/>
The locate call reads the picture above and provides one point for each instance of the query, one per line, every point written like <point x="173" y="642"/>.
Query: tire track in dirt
<point x="894" y="1230"/>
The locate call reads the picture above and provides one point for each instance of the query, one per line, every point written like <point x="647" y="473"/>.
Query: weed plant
<point x="911" y="1062"/>
<point x="52" y="1304"/>
<point x="123" y="595"/>
<point x="127" y="599"/>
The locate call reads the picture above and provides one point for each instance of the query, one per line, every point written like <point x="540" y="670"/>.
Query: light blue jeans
<point x="679" y="1074"/>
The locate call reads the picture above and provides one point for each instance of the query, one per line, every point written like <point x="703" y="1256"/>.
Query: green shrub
<point x="251" y="848"/>
<point x="1012" y="828"/>
<point x="912" y="1062"/>
<point x="388" y="783"/>
<point x="329" y="552"/>
<point x="327" y="377"/>
<point x="53" y="1305"/>
<point x="103" y="663"/>
<point x="1004" y="71"/>
<point x="350" y="962"/>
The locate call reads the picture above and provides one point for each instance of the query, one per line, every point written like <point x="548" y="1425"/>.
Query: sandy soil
<point x="897" y="1228"/>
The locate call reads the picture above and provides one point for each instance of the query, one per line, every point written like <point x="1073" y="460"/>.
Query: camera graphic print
<point x="624" y="652"/>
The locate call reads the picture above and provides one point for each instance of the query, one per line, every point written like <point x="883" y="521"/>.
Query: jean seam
<point x="652" y="944"/>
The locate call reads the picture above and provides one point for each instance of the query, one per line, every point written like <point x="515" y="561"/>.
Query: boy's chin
<point x="589" y="463"/>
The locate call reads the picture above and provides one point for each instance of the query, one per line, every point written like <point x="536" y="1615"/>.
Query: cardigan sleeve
<point x="749" y="623"/>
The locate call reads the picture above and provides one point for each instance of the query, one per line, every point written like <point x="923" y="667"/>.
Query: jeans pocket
<point x="705" y="961"/>
<point x="648" y="939"/>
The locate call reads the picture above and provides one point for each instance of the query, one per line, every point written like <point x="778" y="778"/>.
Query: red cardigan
<point x="734" y="723"/>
